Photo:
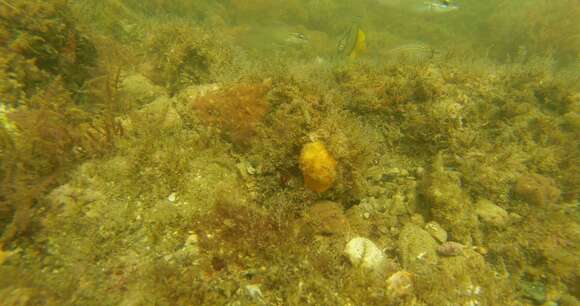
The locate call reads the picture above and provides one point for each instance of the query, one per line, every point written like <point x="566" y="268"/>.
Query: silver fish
<point x="413" y="52"/>
<point x="296" y="38"/>
<point x="438" y="7"/>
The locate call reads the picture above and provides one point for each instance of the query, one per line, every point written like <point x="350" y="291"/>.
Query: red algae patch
<point x="236" y="110"/>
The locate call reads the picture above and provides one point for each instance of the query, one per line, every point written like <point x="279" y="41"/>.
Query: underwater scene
<point x="296" y="152"/>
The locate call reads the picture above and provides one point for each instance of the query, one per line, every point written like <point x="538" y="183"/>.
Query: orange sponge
<point x="318" y="167"/>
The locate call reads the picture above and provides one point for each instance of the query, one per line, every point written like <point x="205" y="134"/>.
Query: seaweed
<point x="46" y="129"/>
<point x="164" y="168"/>
<point x="184" y="54"/>
<point x="237" y="110"/>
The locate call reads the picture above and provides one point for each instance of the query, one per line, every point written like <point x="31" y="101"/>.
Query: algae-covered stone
<point x="161" y="112"/>
<point x="466" y="276"/>
<point x="438" y="232"/>
<point x="490" y="213"/>
<point x="449" y="204"/>
<point x="327" y="218"/>
<point x="140" y="90"/>
<point x="400" y="284"/>
<point x="537" y="189"/>
<point x="450" y="248"/>
<point x="416" y="247"/>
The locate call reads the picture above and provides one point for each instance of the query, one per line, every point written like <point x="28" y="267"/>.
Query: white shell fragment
<point x="362" y="252"/>
<point x="172" y="197"/>
<point x="400" y="284"/>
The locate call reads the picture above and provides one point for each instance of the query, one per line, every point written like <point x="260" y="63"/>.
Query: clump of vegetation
<point x="48" y="63"/>
<point x="29" y="162"/>
<point x="237" y="110"/>
<point x="190" y="191"/>
<point x="447" y="203"/>
<point x="40" y="41"/>
<point x="183" y="54"/>
<point x="537" y="189"/>
<point x="539" y="27"/>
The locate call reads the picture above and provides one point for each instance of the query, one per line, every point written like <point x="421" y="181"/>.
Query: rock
<point x="139" y="89"/>
<point x="70" y="198"/>
<point x="417" y="219"/>
<point x="537" y="189"/>
<point x="254" y="291"/>
<point x="162" y="113"/>
<point x="465" y="273"/>
<point x="416" y="247"/>
<point x="450" y="248"/>
<point x="449" y="204"/>
<point x="327" y="218"/>
<point x="400" y="284"/>
<point x="193" y="92"/>
<point x="439" y="233"/>
<point x="490" y="213"/>
<point x="363" y="253"/>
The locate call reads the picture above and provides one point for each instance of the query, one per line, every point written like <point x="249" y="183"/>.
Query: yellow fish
<point x="352" y="43"/>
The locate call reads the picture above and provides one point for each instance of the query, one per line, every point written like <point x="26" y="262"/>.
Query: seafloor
<point x="226" y="153"/>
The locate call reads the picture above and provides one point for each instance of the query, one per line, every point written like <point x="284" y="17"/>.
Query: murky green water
<point x="303" y="152"/>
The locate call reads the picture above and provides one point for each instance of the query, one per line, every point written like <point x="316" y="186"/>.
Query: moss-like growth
<point x="537" y="189"/>
<point x="182" y="55"/>
<point x="169" y="172"/>
<point x="449" y="205"/>
<point x="237" y="110"/>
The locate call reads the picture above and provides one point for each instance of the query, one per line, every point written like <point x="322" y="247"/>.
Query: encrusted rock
<point x="450" y="248"/>
<point x="327" y="218"/>
<point x="490" y="213"/>
<point x="193" y="92"/>
<point x="161" y="112"/>
<point x="439" y="233"/>
<point x="364" y="253"/>
<point x="400" y="284"/>
<point x="417" y="247"/>
<point x="140" y="90"/>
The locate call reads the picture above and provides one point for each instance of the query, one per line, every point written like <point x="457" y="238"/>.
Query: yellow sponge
<point x="318" y="167"/>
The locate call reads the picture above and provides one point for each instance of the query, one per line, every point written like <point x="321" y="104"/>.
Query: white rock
<point x="362" y="252"/>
